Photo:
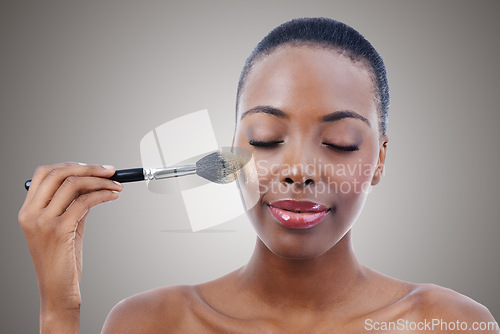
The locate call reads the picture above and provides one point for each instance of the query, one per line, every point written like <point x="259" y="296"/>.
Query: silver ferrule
<point x="168" y="172"/>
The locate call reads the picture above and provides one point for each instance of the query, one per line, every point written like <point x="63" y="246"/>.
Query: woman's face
<point x="309" y="116"/>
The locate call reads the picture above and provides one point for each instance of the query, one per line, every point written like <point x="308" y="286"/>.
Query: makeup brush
<point x="217" y="167"/>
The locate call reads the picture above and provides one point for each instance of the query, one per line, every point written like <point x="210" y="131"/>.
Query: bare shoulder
<point x="150" y="311"/>
<point x="176" y="309"/>
<point x="435" y="302"/>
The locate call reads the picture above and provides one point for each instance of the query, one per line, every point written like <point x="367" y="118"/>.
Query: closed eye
<point x="265" y="144"/>
<point x="345" y="148"/>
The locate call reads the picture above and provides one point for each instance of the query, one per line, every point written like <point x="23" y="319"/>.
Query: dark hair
<point x="329" y="33"/>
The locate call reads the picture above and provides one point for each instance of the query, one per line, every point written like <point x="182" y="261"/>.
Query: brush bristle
<point x="219" y="167"/>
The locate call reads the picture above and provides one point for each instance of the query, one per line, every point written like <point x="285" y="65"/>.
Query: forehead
<point x="310" y="79"/>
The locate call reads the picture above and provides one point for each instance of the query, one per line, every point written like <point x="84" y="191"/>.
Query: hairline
<point x="357" y="60"/>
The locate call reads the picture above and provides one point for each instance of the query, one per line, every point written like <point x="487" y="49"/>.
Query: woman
<point x="312" y="107"/>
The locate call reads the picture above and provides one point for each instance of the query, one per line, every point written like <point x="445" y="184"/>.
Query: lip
<point x="298" y="214"/>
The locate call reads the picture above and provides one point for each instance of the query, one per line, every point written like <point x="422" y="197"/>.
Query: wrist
<point x="54" y="321"/>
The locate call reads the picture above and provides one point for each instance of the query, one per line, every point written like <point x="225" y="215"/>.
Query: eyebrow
<point x="266" y="110"/>
<point x="332" y="117"/>
<point x="338" y="115"/>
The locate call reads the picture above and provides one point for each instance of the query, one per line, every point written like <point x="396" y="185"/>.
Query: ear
<point x="379" y="170"/>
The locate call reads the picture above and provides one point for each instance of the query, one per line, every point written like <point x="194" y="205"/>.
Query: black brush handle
<point x="128" y="175"/>
<point x="122" y="175"/>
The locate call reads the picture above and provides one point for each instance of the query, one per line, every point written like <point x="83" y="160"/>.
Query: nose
<point x="297" y="179"/>
<point x="298" y="167"/>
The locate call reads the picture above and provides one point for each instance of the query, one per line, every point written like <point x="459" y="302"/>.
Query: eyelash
<point x="349" y="148"/>
<point x="265" y="144"/>
<point x="274" y="143"/>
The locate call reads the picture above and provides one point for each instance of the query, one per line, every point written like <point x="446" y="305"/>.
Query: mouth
<point x="298" y="214"/>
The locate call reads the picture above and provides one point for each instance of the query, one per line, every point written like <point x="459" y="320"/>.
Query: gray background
<point x="84" y="81"/>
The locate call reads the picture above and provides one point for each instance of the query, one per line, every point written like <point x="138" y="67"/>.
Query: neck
<point x="303" y="283"/>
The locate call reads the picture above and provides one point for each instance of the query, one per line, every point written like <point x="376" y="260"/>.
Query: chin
<point x="302" y="247"/>
<point x="297" y="254"/>
<point x="297" y="244"/>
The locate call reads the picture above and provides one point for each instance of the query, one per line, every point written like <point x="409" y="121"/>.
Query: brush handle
<point x="121" y="175"/>
<point x="128" y="175"/>
<point x="141" y="174"/>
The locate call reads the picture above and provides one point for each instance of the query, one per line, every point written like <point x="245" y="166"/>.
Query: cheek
<point x="267" y="172"/>
<point x="256" y="176"/>
<point x="352" y="185"/>
<point x="259" y="177"/>
<point x="351" y="178"/>
<point x="260" y="172"/>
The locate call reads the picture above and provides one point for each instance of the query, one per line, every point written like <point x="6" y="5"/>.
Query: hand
<point x="53" y="219"/>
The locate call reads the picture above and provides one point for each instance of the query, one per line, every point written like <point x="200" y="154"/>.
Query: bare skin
<point x="297" y="281"/>
<point x="53" y="225"/>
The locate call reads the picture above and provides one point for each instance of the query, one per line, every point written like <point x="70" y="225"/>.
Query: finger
<point x="83" y="203"/>
<point x="40" y="174"/>
<point x="72" y="187"/>
<point x="56" y="177"/>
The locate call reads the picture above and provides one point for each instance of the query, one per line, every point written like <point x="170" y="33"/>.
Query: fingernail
<point x="108" y="167"/>
<point x="114" y="191"/>
<point x="118" y="183"/>
<point x="82" y="164"/>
